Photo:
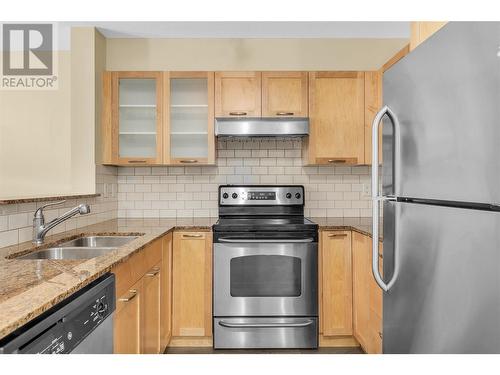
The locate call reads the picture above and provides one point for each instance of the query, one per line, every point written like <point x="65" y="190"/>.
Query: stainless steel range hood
<point x="262" y="127"/>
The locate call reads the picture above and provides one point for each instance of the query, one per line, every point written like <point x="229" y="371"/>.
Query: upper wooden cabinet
<point x="336" y="283"/>
<point x="420" y="31"/>
<point x="192" y="284"/>
<point x="284" y="94"/>
<point x="237" y="94"/>
<point x="189" y="118"/>
<point x="373" y="103"/>
<point x="336" y="113"/>
<point x="132" y="117"/>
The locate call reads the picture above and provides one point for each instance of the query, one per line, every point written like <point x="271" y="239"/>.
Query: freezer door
<point x="447" y="295"/>
<point x="446" y="95"/>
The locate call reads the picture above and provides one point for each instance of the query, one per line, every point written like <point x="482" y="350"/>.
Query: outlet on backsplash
<point x="366" y="190"/>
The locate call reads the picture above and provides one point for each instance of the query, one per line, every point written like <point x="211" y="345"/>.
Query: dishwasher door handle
<point x="266" y="325"/>
<point x="247" y="240"/>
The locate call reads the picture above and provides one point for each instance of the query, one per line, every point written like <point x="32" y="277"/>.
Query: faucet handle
<point x="39" y="211"/>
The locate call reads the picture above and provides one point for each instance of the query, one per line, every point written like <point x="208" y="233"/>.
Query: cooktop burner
<point x="264" y="224"/>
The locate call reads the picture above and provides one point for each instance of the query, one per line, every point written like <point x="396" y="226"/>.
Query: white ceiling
<point x="240" y="30"/>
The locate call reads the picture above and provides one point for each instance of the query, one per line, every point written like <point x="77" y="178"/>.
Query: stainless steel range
<point x="265" y="269"/>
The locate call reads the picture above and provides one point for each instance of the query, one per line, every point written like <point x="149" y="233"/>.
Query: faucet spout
<point x="40" y="229"/>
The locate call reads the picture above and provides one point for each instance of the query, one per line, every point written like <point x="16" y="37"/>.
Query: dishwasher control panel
<point x="68" y="323"/>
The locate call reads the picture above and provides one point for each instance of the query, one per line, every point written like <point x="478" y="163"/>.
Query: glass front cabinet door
<point x="132" y="118"/>
<point x="190" y="118"/>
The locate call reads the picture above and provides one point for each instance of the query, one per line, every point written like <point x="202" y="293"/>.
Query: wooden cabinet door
<point x="189" y="118"/>
<point x="373" y="103"/>
<point x="151" y="310"/>
<point x="128" y="321"/>
<point x="132" y="118"/>
<point x="166" y="293"/>
<point x="336" y="283"/>
<point x="237" y="94"/>
<point x="336" y="113"/>
<point x="367" y="303"/>
<point x="284" y="94"/>
<point x="192" y="284"/>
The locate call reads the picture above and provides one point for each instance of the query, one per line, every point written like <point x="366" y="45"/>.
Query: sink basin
<point x="68" y="253"/>
<point x="98" y="241"/>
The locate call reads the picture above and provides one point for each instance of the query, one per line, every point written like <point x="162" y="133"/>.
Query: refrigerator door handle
<point x="376" y="197"/>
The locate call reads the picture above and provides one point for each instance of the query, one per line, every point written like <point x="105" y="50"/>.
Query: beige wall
<point x="250" y="54"/>
<point x="47" y="138"/>
<point x="35" y="134"/>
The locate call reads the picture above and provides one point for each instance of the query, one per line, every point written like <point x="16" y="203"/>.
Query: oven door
<point x="262" y="278"/>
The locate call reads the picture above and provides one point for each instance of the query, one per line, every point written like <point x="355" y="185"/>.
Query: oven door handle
<point x="265" y="325"/>
<point x="246" y="240"/>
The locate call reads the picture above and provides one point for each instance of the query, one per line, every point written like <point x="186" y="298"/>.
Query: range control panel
<point x="261" y="195"/>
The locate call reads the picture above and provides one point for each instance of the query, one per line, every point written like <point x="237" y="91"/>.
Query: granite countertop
<point x="29" y="287"/>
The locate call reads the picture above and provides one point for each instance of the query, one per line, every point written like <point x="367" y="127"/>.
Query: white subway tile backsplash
<point x="193" y="191"/>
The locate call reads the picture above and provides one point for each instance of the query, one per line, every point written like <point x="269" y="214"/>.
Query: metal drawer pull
<point x="130" y="298"/>
<point x="337" y="235"/>
<point x="237" y="113"/>
<point x="340" y="161"/>
<point x="153" y="273"/>
<point x="137" y="161"/>
<point x="192" y="235"/>
<point x="380" y="334"/>
<point x="190" y="161"/>
<point x="245" y="240"/>
<point x="284" y="113"/>
<point x="265" y="325"/>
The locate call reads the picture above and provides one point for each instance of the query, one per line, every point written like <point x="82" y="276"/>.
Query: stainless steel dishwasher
<point x="82" y="323"/>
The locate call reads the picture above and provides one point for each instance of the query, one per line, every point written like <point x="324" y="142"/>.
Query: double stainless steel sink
<point x="85" y="247"/>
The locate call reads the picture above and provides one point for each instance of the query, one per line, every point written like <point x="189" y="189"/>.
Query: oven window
<point x="266" y="276"/>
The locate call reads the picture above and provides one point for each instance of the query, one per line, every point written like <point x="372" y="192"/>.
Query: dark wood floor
<point x="179" y="350"/>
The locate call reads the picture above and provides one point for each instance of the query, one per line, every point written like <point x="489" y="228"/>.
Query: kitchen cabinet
<point x="367" y="302"/>
<point x="132" y="118"/>
<point x="420" y="31"/>
<point x="335" y="278"/>
<point x="137" y="319"/>
<point x="189" y="118"/>
<point x="373" y="103"/>
<point x="337" y="120"/>
<point x="151" y="310"/>
<point x="284" y="94"/>
<point x="166" y="292"/>
<point x="238" y="94"/>
<point x="192" y="288"/>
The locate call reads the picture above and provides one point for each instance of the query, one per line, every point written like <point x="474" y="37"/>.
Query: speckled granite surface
<point x="45" y="198"/>
<point x="30" y="287"/>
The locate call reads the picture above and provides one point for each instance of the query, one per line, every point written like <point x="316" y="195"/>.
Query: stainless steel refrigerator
<point x="440" y="194"/>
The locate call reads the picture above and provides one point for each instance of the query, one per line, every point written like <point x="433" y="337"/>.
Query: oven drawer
<point x="265" y="279"/>
<point x="266" y="333"/>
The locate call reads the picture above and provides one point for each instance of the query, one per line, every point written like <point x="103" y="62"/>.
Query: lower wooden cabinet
<point x="138" y="289"/>
<point x="367" y="303"/>
<point x="166" y="293"/>
<point x="336" y="283"/>
<point x="192" y="287"/>
<point x="127" y="321"/>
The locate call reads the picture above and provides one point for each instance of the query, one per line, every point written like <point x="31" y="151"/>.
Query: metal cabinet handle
<point x="380" y="334"/>
<point x="376" y="198"/>
<point x="133" y="294"/>
<point x="192" y="235"/>
<point x="237" y="113"/>
<point x="340" y="161"/>
<point x="188" y="161"/>
<point x="153" y="273"/>
<point x="247" y="240"/>
<point x="136" y="161"/>
<point x="284" y="113"/>
<point x="337" y="235"/>
<point x="265" y="325"/>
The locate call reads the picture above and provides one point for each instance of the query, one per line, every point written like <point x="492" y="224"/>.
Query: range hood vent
<point x="262" y="127"/>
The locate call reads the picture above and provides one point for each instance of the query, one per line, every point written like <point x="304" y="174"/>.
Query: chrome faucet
<point x="40" y="229"/>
